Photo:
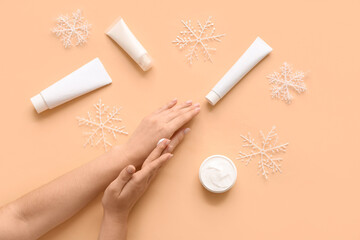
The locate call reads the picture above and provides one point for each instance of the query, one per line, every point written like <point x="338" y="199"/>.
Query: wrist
<point x="113" y="228"/>
<point x="120" y="155"/>
<point x="129" y="155"/>
<point x="116" y="218"/>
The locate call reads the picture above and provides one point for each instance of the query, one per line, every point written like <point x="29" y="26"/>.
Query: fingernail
<point x="187" y="130"/>
<point x="188" y="102"/>
<point x="160" y="141"/>
<point x="171" y="155"/>
<point x="130" y="169"/>
<point x="174" y="100"/>
<point x="197" y="105"/>
<point x="197" y="109"/>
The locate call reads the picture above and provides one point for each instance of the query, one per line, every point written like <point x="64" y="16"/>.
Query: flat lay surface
<point x="315" y="197"/>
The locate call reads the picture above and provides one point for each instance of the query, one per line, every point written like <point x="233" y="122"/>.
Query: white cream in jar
<point x="217" y="174"/>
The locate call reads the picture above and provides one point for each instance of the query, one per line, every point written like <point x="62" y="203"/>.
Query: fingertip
<point x="172" y="102"/>
<point x="169" y="155"/>
<point x="188" y="103"/>
<point x="165" y="157"/>
<point x="130" y="169"/>
<point x="124" y="176"/>
<point x="168" y="105"/>
<point x="187" y="130"/>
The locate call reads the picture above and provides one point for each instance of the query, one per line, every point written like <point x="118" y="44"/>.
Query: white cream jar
<point x="217" y="174"/>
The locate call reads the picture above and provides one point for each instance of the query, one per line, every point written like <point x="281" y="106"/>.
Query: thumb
<point x="124" y="176"/>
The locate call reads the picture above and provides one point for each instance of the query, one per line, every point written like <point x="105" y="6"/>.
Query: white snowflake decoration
<point x="282" y="82"/>
<point x="72" y="30"/>
<point x="265" y="150"/>
<point x="198" y="40"/>
<point x="102" y="125"/>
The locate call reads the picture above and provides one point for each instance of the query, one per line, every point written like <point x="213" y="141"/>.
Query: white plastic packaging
<point x="253" y="55"/>
<point x="217" y="174"/>
<point x="122" y="35"/>
<point x="86" y="79"/>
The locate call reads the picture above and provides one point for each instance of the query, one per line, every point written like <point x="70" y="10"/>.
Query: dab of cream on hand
<point x="217" y="174"/>
<point x="122" y="35"/>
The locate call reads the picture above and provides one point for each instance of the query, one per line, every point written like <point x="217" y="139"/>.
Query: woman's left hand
<point x="166" y="122"/>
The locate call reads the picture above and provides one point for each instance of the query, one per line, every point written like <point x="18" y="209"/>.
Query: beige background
<point x="316" y="196"/>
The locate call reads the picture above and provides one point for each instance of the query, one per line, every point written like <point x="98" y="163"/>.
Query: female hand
<point x="122" y="194"/>
<point x="166" y="122"/>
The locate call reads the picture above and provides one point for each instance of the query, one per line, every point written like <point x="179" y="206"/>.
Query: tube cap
<point x="145" y="62"/>
<point x="212" y="97"/>
<point x="39" y="103"/>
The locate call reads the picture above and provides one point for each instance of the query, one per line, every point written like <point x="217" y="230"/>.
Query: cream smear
<point x="217" y="174"/>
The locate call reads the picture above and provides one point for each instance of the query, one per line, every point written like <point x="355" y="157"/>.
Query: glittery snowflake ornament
<point x="198" y="40"/>
<point x="102" y="125"/>
<point x="265" y="150"/>
<point x="281" y="83"/>
<point x="72" y="30"/>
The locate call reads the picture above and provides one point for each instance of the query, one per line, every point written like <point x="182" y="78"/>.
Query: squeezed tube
<point x="122" y="35"/>
<point x="253" y="55"/>
<point x="86" y="79"/>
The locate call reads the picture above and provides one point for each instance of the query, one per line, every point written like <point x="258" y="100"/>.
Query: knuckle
<point x="151" y="119"/>
<point x="148" y="119"/>
<point x="154" y="122"/>
<point x="160" y="147"/>
<point x="158" y="162"/>
<point x="110" y="190"/>
<point x="164" y="143"/>
<point x="137" y="180"/>
<point x="124" y="177"/>
<point x="170" y="147"/>
<point x="163" y="130"/>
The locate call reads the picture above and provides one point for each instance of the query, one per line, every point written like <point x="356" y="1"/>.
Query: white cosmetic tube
<point x="253" y="55"/>
<point x="86" y="79"/>
<point x="122" y="35"/>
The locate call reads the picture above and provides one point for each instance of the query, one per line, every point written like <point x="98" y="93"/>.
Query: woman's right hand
<point x="166" y="122"/>
<point x="123" y="193"/>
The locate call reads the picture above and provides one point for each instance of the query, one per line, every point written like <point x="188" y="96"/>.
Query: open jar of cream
<point x="217" y="174"/>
